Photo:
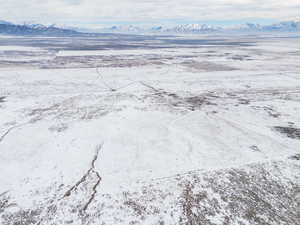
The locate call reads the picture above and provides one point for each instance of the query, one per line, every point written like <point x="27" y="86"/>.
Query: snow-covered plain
<point x="162" y="130"/>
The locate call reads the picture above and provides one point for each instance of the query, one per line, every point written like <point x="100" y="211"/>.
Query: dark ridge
<point x="36" y="30"/>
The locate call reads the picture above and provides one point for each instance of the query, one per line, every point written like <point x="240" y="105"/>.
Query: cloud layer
<point x="114" y="11"/>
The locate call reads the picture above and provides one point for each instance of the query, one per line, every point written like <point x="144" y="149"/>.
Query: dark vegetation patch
<point x="70" y="109"/>
<point x="205" y="66"/>
<point x="48" y="60"/>
<point x="236" y="196"/>
<point x="255" y="148"/>
<point x="241" y="57"/>
<point x="117" y="41"/>
<point x="2" y="99"/>
<point x="244" y="101"/>
<point x="271" y="112"/>
<point x="98" y="61"/>
<point x="269" y="94"/>
<point x="137" y="208"/>
<point x="295" y="157"/>
<point x="5" y="202"/>
<point x="22" y="217"/>
<point x="258" y="195"/>
<point x="290" y="132"/>
<point x="177" y="102"/>
<point x="58" y="127"/>
<point x="83" y="62"/>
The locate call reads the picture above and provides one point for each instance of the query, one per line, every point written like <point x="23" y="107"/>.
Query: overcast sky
<point x="104" y="12"/>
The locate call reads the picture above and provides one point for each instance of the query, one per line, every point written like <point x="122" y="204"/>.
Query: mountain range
<point x="8" y="28"/>
<point x="290" y="26"/>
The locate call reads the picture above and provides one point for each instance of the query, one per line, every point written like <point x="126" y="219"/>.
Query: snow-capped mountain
<point x="193" y="28"/>
<point x="278" y="27"/>
<point x="244" y="27"/>
<point x="204" y="28"/>
<point x="39" y="29"/>
<point x="34" y="29"/>
<point x="283" y="26"/>
<point x="186" y="28"/>
<point x="5" y="22"/>
<point x="123" y="29"/>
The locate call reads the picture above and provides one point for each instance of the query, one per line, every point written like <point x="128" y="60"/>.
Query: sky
<point x="101" y="13"/>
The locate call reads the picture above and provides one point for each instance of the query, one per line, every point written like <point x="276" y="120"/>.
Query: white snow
<point x="18" y="48"/>
<point x="145" y="137"/>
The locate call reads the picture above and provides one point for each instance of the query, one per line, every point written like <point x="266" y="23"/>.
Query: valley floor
<point x="182" y="133"/>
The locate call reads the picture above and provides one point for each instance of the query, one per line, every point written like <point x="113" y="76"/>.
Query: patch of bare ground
<point x="177" y="102"/>
<point x="69" y="110"/>
<point x="5" y="202"/>
<point x="295" y="157"/>
<point x="258" y="194"/>
<point x="87" y="61"/>
<point x="290" y="132"/>
<point x="241" y="57"/>
<point x="21" y="217"/>
<point x="255" y="94"/>
<point x="58" y="127"/>
<point x="205" y="66"/>
<point x="2" y="99"/>
<point x="48" y="60"/>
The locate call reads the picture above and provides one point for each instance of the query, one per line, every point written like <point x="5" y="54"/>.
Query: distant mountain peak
<point x="194" y="28"/>
<point x="35" y="29"/>
<point x="5" y="22"/>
